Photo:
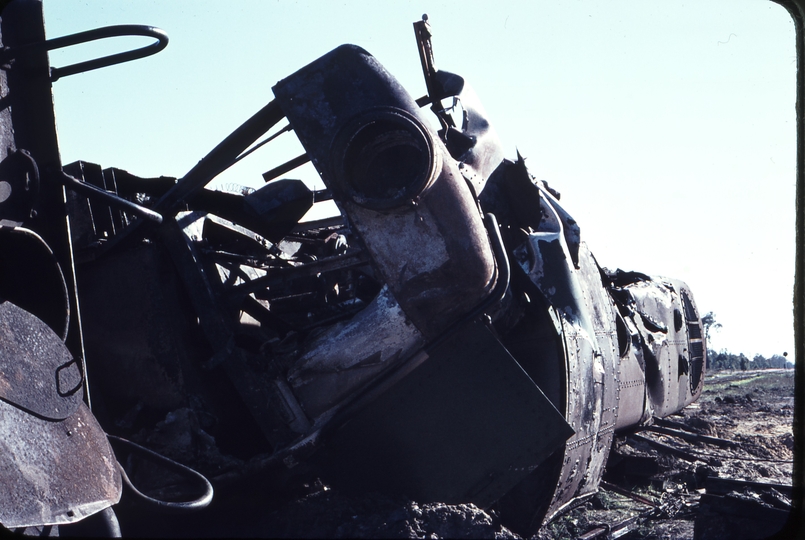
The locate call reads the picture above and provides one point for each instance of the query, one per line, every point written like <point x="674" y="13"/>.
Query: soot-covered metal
<point x="448" y="335"/>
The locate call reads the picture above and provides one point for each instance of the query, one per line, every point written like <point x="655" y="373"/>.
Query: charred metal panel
<point x="547" y="259"/>
<point x="395" y="181"/>
<point x="566" y="275"/>
<point x="466" y="425"/>
<point x="26" y="265"/>
<point x="54" y="472"/>
<point x="140" y="338"/>
<point x="633" y="404"/>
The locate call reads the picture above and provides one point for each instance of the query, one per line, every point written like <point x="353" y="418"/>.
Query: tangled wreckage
<point x="448" y="335"/>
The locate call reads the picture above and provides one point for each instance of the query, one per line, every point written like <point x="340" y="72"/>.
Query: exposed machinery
<point x="448" y="335"/>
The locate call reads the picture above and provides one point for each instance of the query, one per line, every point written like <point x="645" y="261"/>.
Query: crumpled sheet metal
<point x="347" y="356"/>
<point x="54" y="473"/>
<point x="676" y="343"/>
<point x="548" y="259"/>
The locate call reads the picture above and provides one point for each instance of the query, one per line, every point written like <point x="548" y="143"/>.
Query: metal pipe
<point x="286" y="167"/>
<point x="262" y="143"/>
<point x="111" y="199"/>
<point x="220" y="157"/>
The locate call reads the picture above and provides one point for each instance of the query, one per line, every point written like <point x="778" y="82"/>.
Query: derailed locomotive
<point x="448" y="335"/>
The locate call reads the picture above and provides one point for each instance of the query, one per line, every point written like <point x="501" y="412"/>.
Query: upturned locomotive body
<point x="447" y="334"/>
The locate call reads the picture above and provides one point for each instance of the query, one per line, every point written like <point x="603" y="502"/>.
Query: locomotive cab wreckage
<point x="448" y="335"/>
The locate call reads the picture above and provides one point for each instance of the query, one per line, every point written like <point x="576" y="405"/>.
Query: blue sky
<point x="668" y="127"/>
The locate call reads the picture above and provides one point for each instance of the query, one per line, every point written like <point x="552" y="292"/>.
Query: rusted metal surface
<point x="54" y="472"/>
<point x="56" y="465"/>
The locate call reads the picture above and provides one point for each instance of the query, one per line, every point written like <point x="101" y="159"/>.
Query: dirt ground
<point x="657" y="486"/>
<point x="751" y="409"/>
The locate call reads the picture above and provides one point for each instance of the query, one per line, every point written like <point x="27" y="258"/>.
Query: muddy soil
<point x="751" y="409"/>
<point x="754" y="410"/>
<point x="748" y="415"/>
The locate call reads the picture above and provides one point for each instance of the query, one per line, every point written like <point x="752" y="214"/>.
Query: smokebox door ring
<point x="383" y="158"/>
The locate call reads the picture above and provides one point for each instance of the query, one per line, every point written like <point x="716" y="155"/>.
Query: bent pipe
<point x="503" y="275"/>
<point x="171" y="507"/>
<point x="503" y="271"/>
<point x="215" y="162"/>
<point x="93" y="192"/>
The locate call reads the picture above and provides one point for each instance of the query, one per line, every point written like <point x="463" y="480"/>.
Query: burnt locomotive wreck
<point x="448" y="335"/>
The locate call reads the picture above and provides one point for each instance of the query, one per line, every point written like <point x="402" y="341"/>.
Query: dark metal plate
<point x="37" y="372"/>
<point x="466" y="425"/>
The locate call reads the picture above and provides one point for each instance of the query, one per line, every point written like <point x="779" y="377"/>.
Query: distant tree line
<point x="727" y="360"/>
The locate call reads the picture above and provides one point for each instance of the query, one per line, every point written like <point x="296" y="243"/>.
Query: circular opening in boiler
<point x="387" y="161"/>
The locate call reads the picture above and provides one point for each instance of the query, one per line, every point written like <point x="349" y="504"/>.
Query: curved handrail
<point x="93" y="35"/>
